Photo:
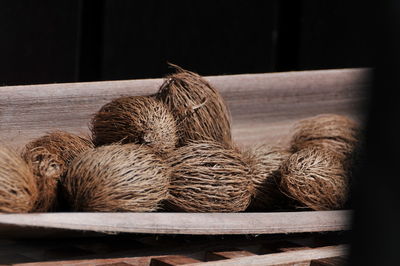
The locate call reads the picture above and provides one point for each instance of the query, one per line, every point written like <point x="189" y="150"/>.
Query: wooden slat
<point x="227" y="254"/>
<point x="172" y="261"/>
<point x="281" y="246"/>
<point x="283" y="258"/>
<point x="335" y="261"/>
<point x="137" y="261"/>
<point x="180" y="223"/>
<point x="263" y="106"/>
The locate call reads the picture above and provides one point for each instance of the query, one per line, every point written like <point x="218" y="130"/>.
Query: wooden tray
<point x="179" y="223"/>
<point x="263" y="108"/>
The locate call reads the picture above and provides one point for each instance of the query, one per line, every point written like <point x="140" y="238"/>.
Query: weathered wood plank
<point x="182" y="223"/>
<point x="137" y="261"/>
<point x="263" y="106"/>
<point x="283" y="258"/>
<point x="227" y="254"/>
<point x="172" y="260"/>
<point x="335" y="261"/>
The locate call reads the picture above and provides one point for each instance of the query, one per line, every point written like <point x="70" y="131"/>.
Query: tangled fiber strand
<point x="329" y="131"/>
<point x="207" y="177"/>
<point x="265" y="162"/>
<point x="120" y="178"/>
<point x="135" y="119"/>
<point x="198" y="108"/>
<point x="18" y="189"/>
<point x="49" y="157"/>
<point x="315" y="178"/>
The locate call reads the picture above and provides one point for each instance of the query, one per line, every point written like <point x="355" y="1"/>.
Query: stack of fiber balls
<point x="173" y="151"/>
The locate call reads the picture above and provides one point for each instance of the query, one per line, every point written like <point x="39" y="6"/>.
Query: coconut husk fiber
<point x="265" y="162"/>
<point x="49" y="156"/>
<point x="135" y="119"/>
<point x="117" y="178"/>
<point x="329" y="131"/>
<point x="315" y="178"/>
<point x="207" y="177"/>
<point x="18" y="189"/>
<point x="198" y="108"/>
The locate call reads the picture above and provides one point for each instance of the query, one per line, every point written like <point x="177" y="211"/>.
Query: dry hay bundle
<point x="135" y="119"/>
<point x="198" y="108"/>
<point x="123" y="178"/>
<point x="330" y="131"/>
<point x="49" y="157"/>
<point x="18" y="190"/>
<point x="316" y="178"/>
<point x="265" y="162"/>
<point x="206" y="177"/>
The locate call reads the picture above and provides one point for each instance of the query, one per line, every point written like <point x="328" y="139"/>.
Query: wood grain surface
<point x="181" y="223"/>
<point x="263" y="106"/>
<point x="284" y="258"/>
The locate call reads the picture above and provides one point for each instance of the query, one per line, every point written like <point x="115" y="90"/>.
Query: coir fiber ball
<point x="135" y="119"/>
<point x="207" y="177"/>
<point x="18" y="190"/>
<point x="265" y="162"/>
<point x="117" y="178"/>
<point x="49" y="157"/>
<point x="315" y="178"/>
<point x="198" y="108"/>
<point x="330" y="131"/>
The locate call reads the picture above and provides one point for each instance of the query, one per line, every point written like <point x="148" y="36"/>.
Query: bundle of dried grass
<point x="121" y="178"/>
<point x="199" y="109"/>
<point x="49" y="157"/>
<point x="135" y="119"/>
<point x="207" y="177"/>
<point x="329" y="131"/>
<point x="18" y="190"/>
<point x="316" y="178"/>
<point x="265" y="162"/>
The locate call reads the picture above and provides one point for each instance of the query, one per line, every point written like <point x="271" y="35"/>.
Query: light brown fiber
<point x="18" y="189"/>
<point x="199" y="109"/>
<point x="207" y="177"/>
<point x="117" y="178"/>
<point x="316" y="178"/>
<point x="135" y="119"/>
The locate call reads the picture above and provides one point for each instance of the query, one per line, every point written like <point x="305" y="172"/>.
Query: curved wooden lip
<point x="185" y="223"/>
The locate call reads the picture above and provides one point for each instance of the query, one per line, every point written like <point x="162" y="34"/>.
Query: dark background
<point x="50" y="41"/>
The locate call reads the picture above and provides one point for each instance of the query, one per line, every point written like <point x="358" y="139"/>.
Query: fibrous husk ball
<point x="315" y="178"/>
<point x="198" y="108"/>
<point x="135" y="119"/>
<point x="63" y="144"/>
<point x="49" y="157"/>
<point x="207" y="177"/>
<point x="18" y="190"/>
<point x="265" y="162"/>
<point x="330" y="131"/>
<point x="113" y="178"/>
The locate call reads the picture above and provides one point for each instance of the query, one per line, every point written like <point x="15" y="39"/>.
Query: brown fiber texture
<point x="198" y="108"/>
<point x="135" y="119"/>
<point x="330" y="131"/>
<point x="49" y="157"/>
<point x="315" y="178"/>
<point x="117" y="178"/>
<point x="18" y="190"/>
<point x="265" y="162"/>
<point x="206" y="177"/>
